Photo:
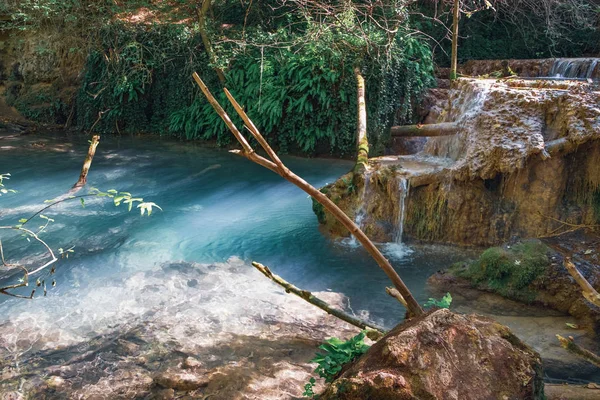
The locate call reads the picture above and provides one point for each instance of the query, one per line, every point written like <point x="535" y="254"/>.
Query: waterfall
<point x="362" y="211"/>
<point x="402" y="195"/>
<point x="582" y="68"/>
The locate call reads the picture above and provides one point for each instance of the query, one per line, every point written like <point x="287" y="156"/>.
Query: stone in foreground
<point x="444" y="356"/>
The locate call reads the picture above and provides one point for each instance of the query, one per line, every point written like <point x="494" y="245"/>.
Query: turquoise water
<point x="215" y="205"/>
<point x="220" y="212"/>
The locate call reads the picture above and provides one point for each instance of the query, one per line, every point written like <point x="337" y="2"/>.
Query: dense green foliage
<point x="295" y="75"/>
<point x="509" y="271"/>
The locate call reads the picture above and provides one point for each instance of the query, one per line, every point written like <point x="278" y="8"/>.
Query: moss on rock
<point x="509" y="270"/>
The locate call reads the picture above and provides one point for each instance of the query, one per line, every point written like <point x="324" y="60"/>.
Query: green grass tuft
<point x="509" y="271"/>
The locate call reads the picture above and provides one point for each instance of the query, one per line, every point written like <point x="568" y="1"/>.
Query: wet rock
<point x="528" y="277"/>
<point x="443" y="356"/>
<point x="525" y="68"/>
<point x="12" y="396"/>
<point x="164" y="394"/>
<point x="191" y="363"/>
<point x="125" y="347"/>
<point x="55" y="382"/>
<point x="571" y="392"/>
<point x="524" y="159"/>
<point x="181" y="380"/>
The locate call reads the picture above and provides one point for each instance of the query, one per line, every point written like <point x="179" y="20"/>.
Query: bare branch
<point x="574" y="348"/>
<point x="587" y="289"/>
<point x="376" y="331"/>
<point x="26" y="272"/>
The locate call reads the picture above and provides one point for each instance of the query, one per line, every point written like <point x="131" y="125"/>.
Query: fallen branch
<point x="87" y="163"/>
<point x="441" y="129"/>
<point x="587" y="289"/>
<point x="374" y="332"/>
<point x="278" y="167"/>
<point x="574" y="348"/>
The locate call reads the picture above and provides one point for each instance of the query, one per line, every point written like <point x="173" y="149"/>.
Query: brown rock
<point x="443" y="356"/>
<point x="181" y="380"/>
<point x="164" y="394"/>
<point x="55" y="382"/>
<point x="12" y="396"/>
<point x="191" y="363"/>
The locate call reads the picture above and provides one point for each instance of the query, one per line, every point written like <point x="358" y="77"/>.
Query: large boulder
<point x="444" y="356"/>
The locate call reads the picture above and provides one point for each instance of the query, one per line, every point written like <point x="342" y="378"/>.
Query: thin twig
<point x="315" y="301"/>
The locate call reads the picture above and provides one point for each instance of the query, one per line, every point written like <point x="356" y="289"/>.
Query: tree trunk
<point x="442" y="129"/>
<point x="362" y="142"/>
<point x="202" y="12"/>
<point x="278" y="167"/>
<point x="87" y="163"/>
<point x="454" y="61"/>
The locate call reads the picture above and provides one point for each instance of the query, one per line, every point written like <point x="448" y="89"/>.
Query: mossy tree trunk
<point x="362" y="142"/>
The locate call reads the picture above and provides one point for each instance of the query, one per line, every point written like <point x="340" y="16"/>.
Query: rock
<point x="570" y="392"/>
<point x="164" y="394"/>
<point x="181" y="380"/>
<point x="12" y="396"/>
<point x="191" y="363"/>
<point x="443" y="356"/>
<point x="55" y="382"/>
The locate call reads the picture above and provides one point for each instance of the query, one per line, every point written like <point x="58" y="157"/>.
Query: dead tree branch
<point x="395" y="294"/>
<point x="374" y="331"/>
<point x="86" y="164"/>
<point x="278" y="167"/>
<point x="441" y="129"/>
<point x="574" y="348"/>
<point x="587" y="289"/>
<point x="26" y="273"/>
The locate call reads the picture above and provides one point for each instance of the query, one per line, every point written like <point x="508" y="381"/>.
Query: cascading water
<point x="402" y="194"/>
<point x="467" y="103"/>
<point x="362" y="211"/>
<point x="575" y="68"/>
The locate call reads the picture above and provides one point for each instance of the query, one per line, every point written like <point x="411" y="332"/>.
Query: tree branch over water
<point x="277" y="166"/>
<point x="374" y="332"/>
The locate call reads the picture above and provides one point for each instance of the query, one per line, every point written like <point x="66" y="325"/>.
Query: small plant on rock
<point x="337" y="354"/>
<point x="444" y="302"/>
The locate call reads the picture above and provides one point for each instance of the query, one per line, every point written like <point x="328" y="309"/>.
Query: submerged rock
<point x="180" y="380"/>
<point x="139" y="345"/>
<point x="443" y="356"/>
